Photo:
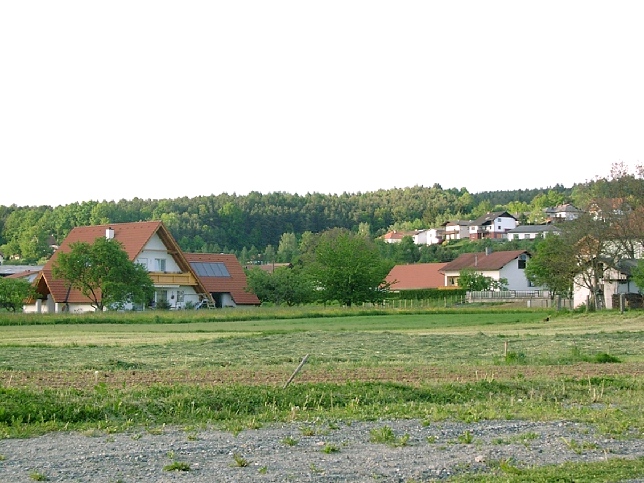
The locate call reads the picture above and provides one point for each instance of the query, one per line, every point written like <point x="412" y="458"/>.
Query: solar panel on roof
<point x="210" y="269"/>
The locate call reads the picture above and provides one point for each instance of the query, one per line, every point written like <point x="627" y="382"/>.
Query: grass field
<point x="229" y="369"/>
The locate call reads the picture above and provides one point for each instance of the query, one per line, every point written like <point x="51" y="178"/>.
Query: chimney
<point x="488" y="250"/>
<point x="476" y="260"/>
<point x="109" y="233"/>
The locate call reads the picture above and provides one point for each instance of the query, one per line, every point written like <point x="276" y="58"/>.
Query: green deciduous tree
<point x="348" y="268"/>
<point x="407" y="251"/>
<point x="14" y="292"/>
<point x="103" y="272"/>
<point x="287" y="249"/>
<point x="637" y="275"/>
<point x="553" y="265"/>
<point x="472" y="280"/>
<point x="286" y="285"/>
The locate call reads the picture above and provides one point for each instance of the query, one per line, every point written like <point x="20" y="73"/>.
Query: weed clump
<point x="386" y="435"/>
<point x="604" y="358"/>
<point x="177" y="466"/>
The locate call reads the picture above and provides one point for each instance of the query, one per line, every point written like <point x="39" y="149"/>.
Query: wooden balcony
<point x="163" y="278"/>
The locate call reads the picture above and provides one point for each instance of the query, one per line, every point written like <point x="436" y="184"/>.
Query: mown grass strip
<point x="326" y="347"/>
<point x="24" y="412"/>
<point x="250" y="314"/>
<point x="606" y="471"/>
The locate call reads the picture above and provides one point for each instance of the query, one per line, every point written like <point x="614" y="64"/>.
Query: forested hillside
<point x="254" y="223"/>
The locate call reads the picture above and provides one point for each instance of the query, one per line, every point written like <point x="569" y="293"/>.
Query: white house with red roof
<point x="147" y="243"/>
<point x="150" y="244"/>
<point x="509" y="265"/>
<point x="429" y="236"/>
<point x="396" y="236"/>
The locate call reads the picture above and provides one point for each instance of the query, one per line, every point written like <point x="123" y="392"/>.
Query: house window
<point x="161" y="297"/>
<point x="159" y="264"/>
<point x="180" y="296"/>
<point x="143" y="262"/>
<point x="523" y="258"/>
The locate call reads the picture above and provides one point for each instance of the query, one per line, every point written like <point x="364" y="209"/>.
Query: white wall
<point x="516" y="277"/>
<point x="227" y="300"/>
<point x="428" y="237"/>
<point x="421" y="238"/>
<point x="499" y="225"/>
<point x="156" y="249"/>
<point x="505" y="224"/>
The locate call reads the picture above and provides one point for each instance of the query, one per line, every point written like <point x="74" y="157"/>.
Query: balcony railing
<point x="163" y="278"/>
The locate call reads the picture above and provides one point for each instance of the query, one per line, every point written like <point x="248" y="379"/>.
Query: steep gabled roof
<point x="482" y="261"/>
<point x="457" y="223"/>
<point x="235" y="283"/>
<point x="133" y="236"/>
<point x="567" y="208"/>
<point x="416" y="276"/>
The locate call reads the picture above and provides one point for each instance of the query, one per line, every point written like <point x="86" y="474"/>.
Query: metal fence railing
<point x="508" y="294"/>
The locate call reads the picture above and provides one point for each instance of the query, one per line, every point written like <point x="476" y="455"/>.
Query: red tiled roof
<point x="399" y="235"/>
<point x="235" y="284"/>
<point x="416" y="276"/>
<point x="133" y="236"/>
<point x="482" y="261"/>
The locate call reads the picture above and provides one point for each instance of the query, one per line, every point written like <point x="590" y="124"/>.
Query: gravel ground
<point x="331" y="453"/>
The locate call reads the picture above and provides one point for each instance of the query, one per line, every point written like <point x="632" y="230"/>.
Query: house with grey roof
<point x="492" y="225"/>
<point x="456" y="229"/>
<point x="531" y="232"/>
<point x="17" y="271"/>
<point x="565" y="212"/>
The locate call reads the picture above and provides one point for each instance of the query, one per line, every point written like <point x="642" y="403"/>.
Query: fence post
<point x="290" y="379"/>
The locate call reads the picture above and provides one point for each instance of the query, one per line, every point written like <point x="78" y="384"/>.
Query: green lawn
<point x="225" y="369"/>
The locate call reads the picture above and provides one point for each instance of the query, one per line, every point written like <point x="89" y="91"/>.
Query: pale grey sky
<point x="161" y="99"/>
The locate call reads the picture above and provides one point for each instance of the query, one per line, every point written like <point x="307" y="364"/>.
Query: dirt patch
<point x="278" y="376"/>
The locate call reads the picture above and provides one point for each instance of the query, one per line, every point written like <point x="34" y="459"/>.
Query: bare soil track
<point x="278" y="376"/>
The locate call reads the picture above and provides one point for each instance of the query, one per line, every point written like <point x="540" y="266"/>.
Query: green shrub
<point x="604" y="358"/>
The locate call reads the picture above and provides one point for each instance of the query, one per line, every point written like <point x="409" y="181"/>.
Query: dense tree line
<point x="252" y="226"/>
<point x="322" y="236"/>
<point x="503" y="198"/>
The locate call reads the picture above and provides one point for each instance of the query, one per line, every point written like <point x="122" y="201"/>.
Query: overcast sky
<point x="162" y="99"/>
